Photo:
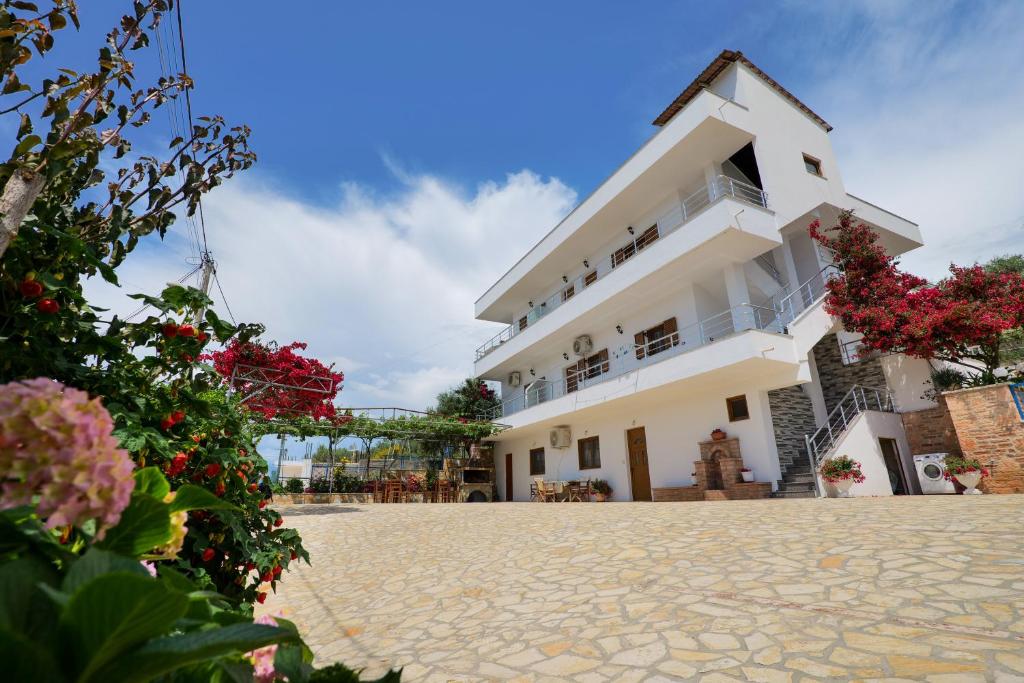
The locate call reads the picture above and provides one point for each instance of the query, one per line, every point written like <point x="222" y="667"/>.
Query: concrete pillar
<point x="711" y="173"/>
<point x="739" y="296"/>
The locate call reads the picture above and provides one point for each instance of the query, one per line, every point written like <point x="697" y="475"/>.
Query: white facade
<point x="686" y="278"/>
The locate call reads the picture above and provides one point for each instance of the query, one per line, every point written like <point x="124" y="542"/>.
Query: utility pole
<point x="280" y="457"/>
<point x="209" y="266"/>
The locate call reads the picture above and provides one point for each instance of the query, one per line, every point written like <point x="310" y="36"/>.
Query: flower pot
<point x="843" y="487"/>
<point x="600" y="497"/>
<point x="718" y="435"/>
<point x="747" y="475"/>
<point x="969" y="480"/>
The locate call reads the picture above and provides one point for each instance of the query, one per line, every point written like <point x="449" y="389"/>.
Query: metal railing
<point x="856" y="401"/>
<point x="629" y="357"/>
<point x="707" y="194"/>
<point x="768" y="265"/>
<point x="792" y="304"/>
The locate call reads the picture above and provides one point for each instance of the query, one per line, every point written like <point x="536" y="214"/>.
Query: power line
<point x="181" y="279"/>
<point x="188" y="106"/>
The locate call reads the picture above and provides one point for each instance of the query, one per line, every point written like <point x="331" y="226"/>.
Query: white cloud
<point x="381" y="285"/>
<point x="926" y="101"/>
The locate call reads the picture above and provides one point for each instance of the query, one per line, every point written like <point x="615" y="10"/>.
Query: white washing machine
<point x="931" y="470"/>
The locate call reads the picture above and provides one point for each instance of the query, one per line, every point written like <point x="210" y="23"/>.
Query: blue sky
<point x="409" y="153"/>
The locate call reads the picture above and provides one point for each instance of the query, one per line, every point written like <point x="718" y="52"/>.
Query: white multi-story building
<point x="684" y="295"/>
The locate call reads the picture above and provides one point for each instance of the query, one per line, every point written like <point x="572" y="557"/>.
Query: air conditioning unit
<point x="582" y="345"/>
<point x="560" y="437"/>
<point x="514" y="379"/>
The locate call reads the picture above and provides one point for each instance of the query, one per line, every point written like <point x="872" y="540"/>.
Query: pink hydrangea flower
<point x="57" y="444"/>
<point x="263" y="658"/>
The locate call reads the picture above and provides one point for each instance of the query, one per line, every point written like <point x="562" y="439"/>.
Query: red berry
<point x="253" y="488"/>
<point x="267" y="576"/>
<point x="219" y="491"/>
<point x="166" y="423"/>
<point x="277" y="570"/>
<point x="187" y="357"/>
<point x="279" y="521"/>
<point x="196" y="438"/>
<point x="186" y="331"/>
<point x="213" y="469"/>
<point x="208" y="554"/>
<point x="48" y="306"/>
<point x="169" y="330"/>
<point x="249" y="566"/>
<point x="30" y="289"/>
<point x="263" y="503"/>
<point x="177" y="416"/>
<point x="202" y="336"/>
<point x="261" y="598"/>
<point x="295" y="555"/>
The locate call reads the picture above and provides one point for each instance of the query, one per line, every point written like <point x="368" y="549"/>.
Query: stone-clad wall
<point x="990" y="429"/>
<point x="792" y="419"/>
<point x="836" y="378"/>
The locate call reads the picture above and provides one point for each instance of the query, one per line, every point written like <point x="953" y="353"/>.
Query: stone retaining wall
<point x="931" y="430"/>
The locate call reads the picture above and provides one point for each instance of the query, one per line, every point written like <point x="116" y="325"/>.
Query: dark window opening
<point x="590" y="453"/>
<point x="590" y="278"/>
<point x="568" y="292"/>
<point x="656" y="339"/>
<point x="537" y="461"/>
<point x="522" y="323"/>
<point x="746" y="162"/>
<point x="737" y="407"/>
<point x="634" y="247"/>
<point x="587" y="368"/>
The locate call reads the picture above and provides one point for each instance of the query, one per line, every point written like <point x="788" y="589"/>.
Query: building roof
<point x="716" y="67"/>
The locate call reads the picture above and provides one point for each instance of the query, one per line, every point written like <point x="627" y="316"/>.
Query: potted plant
<point x="967" y="471"/>
<point x="602" y="490"/>
<point x="718" y="435"/>
<point x="842" y="472"/>
<point x="747" y="474"/>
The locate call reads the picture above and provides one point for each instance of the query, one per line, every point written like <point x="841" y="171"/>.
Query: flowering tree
<point x="275" y="380"/>
<point x="961" y="319"/>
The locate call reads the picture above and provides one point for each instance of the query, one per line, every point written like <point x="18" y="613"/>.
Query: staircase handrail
<point x="839" y="418"/>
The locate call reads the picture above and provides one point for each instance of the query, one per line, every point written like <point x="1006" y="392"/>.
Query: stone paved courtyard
<point x="921" y="588"/>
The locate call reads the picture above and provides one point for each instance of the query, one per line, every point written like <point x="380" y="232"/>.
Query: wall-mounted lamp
<point x="532" y="373"/>
<point x="531" y="304"/>
<point x="586" y="263"/>
<point x="618" y="328"/>
<point x="565" y="356"/>
<point x="565" y="279"/>
<point x="630" y="230"/>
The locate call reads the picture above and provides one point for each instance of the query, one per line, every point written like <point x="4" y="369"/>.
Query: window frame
<point x="729" y="407"/>
<point x="583" y="443"/>
<point x="543" y="463"/>
<point x="814" y="162"/>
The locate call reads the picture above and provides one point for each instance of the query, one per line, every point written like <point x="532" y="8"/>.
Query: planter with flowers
<point x="602" y="490"/>
<point x="842" y="472"/>
<point x="968" y="472"/>
<point x="718" y="435"/>
<point x="747" y="474"/>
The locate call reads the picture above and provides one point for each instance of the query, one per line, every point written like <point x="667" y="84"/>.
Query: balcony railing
<point x="630" y="357"/>
<point x="597" y="268"/>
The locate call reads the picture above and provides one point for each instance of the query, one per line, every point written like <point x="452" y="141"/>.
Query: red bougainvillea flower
<point x="47" y="306"/>
<point x="209" y="554"/>
<point x="169" y="330"/>
<point x="213" y="469"/>
<point x="261" y="598"/>
<point x="30" y="289"/>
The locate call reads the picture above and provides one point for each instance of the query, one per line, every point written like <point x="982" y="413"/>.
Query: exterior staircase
<point x="797" y="482"/>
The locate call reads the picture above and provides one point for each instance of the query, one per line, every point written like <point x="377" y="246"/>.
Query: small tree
<point x="961" y="319"/>
<point x="471" y="400"/>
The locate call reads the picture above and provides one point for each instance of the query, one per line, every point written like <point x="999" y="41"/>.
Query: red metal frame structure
<point x="256" y="383"/>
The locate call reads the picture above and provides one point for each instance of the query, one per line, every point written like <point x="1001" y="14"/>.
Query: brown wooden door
<point x="639" y="472"/>
<point x="508" y="478"/>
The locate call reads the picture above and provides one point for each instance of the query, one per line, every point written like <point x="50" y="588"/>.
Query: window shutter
<point x="639" y="340"/>
<point x="670" y="328"/>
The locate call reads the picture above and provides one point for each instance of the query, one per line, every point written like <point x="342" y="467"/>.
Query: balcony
<point x="707" y="195"/>
<point x="774" y="318"/>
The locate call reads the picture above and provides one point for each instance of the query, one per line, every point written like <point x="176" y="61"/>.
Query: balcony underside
<point x="731" y="231"/>
<point x="760" y="360"/>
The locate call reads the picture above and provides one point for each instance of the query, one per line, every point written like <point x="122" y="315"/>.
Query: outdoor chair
<point x="544" y="493"/>
<point x="575" y="492"/>
<point x="533" y="492"/>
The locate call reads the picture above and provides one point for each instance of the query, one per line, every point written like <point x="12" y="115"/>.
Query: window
<point x="522" y="323"/>
<point x="588" y="368"/>
<point x="656" y="339"/>
<point x="590" y="278"/>
<point x="630" y="250"/>
<point x="537" y="461"/>
<point x="813" y="165"/>
<point x="590" y="453"/>
<point x="568" y="292"/>
<point x="737" y="406"/>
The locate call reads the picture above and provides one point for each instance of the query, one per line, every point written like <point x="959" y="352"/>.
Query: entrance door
<point x="508" y="478"/>
<point x="639" y="472"/>
<point x="891" y="453"/>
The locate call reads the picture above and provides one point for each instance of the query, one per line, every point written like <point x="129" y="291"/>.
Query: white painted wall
<point x="673" y="430"/>
<point x="908" y="378"/>
<point x="861" y="443"/>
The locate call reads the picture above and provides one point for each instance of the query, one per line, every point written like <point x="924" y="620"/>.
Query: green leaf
<point x="191" y="497"/>
<point x="152" y="481"/>
<point x="221" y="329"/>
<point x="23" y="606"/>
<point x="27" y="143"/>
<point x="114" y="614"/>
<point x="145" y="524"/>
<point x="25" y="659"/>
<point x="172" y="652"/>
<point x="96" y="563"/>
